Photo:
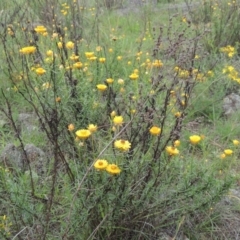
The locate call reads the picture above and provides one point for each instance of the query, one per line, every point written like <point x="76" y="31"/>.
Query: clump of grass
<point x="220" y="19"/>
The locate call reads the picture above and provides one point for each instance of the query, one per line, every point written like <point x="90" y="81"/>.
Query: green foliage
<point x="86" y="66"/>
<point x="220" y="20"/>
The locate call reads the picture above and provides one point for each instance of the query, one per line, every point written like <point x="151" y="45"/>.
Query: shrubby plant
<point x="111" y="116"/>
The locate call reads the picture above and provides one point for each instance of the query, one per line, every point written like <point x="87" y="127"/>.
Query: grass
<point x="127" y="110"/>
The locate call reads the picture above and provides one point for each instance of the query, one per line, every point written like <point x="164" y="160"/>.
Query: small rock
<point x="26" y="122"/>
<point x="36" y="158"/>
<point x="13" y="157"/>
<point x="231" y="104"/>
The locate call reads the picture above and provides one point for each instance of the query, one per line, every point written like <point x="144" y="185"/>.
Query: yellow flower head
<point x="28" y="50"/>
<point x="40" y="29"/>
<point x="236" y="142"/>
<point x="122" y="145"/>
<point x="223" y="155"/>
<point x="71" y="127"/>
<point x="49" y="53"/>
<point x="172" y="151"/>
<point x="40" y="71"/>
<point x="70" y="45"/>
<point x="120" y="81"/>
<point x="113" y="114"/>
<point x="122" y="90"/>
<point x="83" y="133"/>
<point x="92" y="128"/>
<point x="93" y="58"/>
<point x="102" y="60"/>
<point x="177" y="143"/>
<point x="101" y="87"/>
<point x="195" y="139"/>
<point x="157" y="63"/>
<point x="109" y="80"/>
<point x="77" y="65"/>
<point x="46" y="85"/>
<point x="54" y="35"/>
<point x="60" y="45"/>
<point x="74" y="57"/>
<point x="98" y="48"/>
<point x="178" y="114"/>
<point x="58" y="99"/>
<point x="134" y="76"/>
<point x="113" y="169"/>
<point x="228" y="152"/>
<point x="155" y="131"/>
<point x="118" y="120"/>
<point x="89" y="54"/>
<point x="100" y="164"/>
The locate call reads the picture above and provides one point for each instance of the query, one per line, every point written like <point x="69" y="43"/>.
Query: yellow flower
<point x="210" y="73"/>
<point x="74" y="57"/>
<point x="60" y="45"/>
<point x="236" y="142"/>
<point x="49" y="53"/>
<point x="177" y="143"/>
<point x="48" y="60"/>
<point x="28" y="50"/>
<point x="100" y="164"/>
<point x="157" y="63"/>
<point x="89" y="54"/>
<point x="223" y="155"/>
<point x="54" y="35"/>
<point x="183" y="74"/>
<point x="229" y="50"/>
<point x="109" y="80"/>
<point x="118" y="120"/>
<point x="133" y="111"/>
<point x="122" y="90"/>
<point x="40" y="71"/>
<point x="92" y="128"/>
<point x="120" y="81"/>
<point x="155" y="130"/>
<point x="71" y="127"/>
<point x="98" y="48"/>
<point x="77" y="65"/>
<point x="40" y="29"/>
<point x="228" y="152"/>
<point x="122" y="145"/>
<point x="113" y="114"/>
<point x="101" y="87"/>
<point x="184" y="19"/>
<point x="102" y="60"/>
<point x="58" y="99"/>
<point x="46" y="85"/>
<point x="172" y="151"/>
<point x="134" y="76"/>
<point x="113" y="169"/>
<point x="195" y="139"/>
<point x="119" y="58"/>
<point x="178" y="114"/>
<point x="83" y="133"/>
<point x="93" y="58"/>
<point x="70" y="45"/>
